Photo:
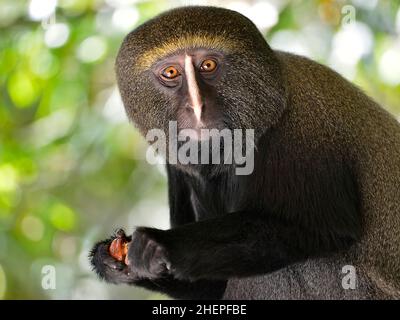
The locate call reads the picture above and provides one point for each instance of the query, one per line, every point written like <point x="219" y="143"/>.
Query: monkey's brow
<point x="216" y="42"/>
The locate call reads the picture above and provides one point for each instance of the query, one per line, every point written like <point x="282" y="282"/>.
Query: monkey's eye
<point x="208" y="65"/>
<point x="170" y="73"/>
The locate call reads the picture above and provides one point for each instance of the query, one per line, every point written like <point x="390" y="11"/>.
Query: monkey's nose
<point x="193" y="88"/>
<point x="197" y="110"/>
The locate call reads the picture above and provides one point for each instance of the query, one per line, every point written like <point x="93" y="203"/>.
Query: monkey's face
<point x="203" y="67"/>
<point x="188" y="80"/>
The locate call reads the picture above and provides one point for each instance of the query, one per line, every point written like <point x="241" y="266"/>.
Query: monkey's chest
<point x="212" y="199"/>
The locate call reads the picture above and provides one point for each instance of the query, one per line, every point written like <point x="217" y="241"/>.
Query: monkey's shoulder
<point x="324" y="109"/>
<point x="313" y="86"/>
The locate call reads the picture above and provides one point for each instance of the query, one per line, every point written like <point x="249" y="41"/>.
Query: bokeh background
<point x="71" y="165"/>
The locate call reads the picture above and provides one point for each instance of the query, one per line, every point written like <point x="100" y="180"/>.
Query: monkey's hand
<point x="109" y="268"/>
<point x="147" y="257"/>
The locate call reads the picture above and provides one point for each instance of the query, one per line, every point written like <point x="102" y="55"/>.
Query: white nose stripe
<point x="193" y="88"/>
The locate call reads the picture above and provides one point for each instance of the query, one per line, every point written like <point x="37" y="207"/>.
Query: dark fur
<point x="324" y="191"/>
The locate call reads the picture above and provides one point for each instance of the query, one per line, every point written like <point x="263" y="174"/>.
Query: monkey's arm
<point x="235" y="245"/>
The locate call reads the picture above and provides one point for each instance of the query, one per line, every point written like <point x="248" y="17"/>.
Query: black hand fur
<point x="116" y="272"/>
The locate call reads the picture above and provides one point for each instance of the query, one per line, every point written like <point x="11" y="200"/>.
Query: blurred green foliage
<point x="71" y="166"/>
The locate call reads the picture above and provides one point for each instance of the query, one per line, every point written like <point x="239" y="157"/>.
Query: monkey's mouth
<point x="198" y="134"/>
<point x="202" y="131"/>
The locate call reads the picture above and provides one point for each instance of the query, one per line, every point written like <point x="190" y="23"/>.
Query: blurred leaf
<point x="62" y="217"/>
<point x="23" y="89"/>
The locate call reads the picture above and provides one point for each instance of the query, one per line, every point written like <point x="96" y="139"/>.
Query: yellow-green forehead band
<point x="171" y="45"/>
